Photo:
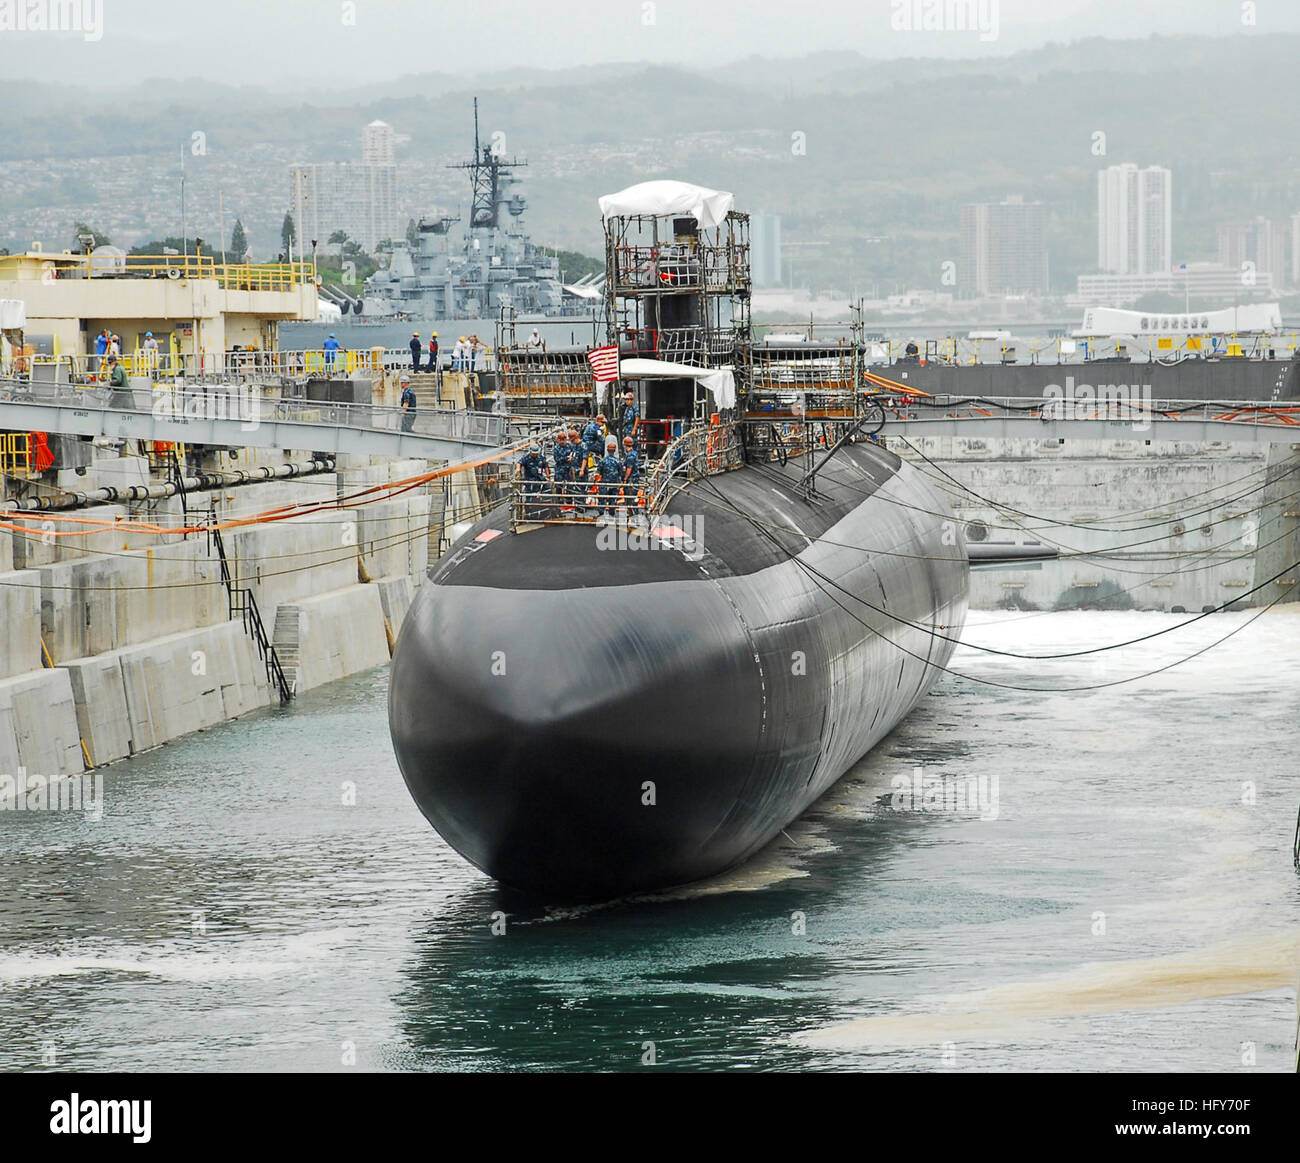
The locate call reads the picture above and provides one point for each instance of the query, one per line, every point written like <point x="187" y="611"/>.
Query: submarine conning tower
<point x="677" y="300"/>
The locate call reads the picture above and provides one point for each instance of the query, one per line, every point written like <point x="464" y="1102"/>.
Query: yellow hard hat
<point x="434" y="334"/>
<point x="461" y="339"/>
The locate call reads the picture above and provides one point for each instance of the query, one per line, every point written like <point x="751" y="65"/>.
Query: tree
<point x="574" y="265"/>
<point x="80" y="228"/>
<point x="288" y="235"/>
<point x="238" y="243"/>
<point x="412" y="233"/>
<point x="159" y="246"/>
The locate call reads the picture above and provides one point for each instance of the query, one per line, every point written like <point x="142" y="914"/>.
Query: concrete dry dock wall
<point x="335" y="634"/>
<point x="20" y="609"/>
<point x="38" y="724"/>
<point x="131" y="700"/>
<point x="137" y="624"/>
<point x="1141" y="526"/>
<point x="102" y="603"/>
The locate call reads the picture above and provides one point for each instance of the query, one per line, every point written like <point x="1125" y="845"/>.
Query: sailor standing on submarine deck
<point x="610" y="471"/>
<point x="630" y="417"/>
<point x="533" y="470"/>
<point x="563" y="455"/>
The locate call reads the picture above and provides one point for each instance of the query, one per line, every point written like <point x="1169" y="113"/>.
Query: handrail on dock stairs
<point x="242" y="601"/>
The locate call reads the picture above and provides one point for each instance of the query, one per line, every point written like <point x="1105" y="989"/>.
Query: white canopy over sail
<point x="720" y="381"/>
<point x="707" y="207"/>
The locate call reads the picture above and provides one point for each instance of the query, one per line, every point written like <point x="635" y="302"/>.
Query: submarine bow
<point x="584" y="714"/>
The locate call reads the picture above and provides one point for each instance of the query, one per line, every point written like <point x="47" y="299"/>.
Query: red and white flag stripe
<point x="604" y="363"/>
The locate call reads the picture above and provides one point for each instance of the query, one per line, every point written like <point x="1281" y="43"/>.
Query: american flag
<point x="604" y="363"/>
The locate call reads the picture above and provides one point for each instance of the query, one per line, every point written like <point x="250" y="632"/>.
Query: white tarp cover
<point x="707" y="207"/>
<point x="13" y="314"/>
<point x="720" y="381"/>
<point x="584" y="291"/>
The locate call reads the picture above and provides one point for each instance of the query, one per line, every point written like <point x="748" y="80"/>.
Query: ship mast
<point x="485" y="173"/>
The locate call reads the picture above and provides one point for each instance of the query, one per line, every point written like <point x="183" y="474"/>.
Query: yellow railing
<point x="15" y="453"/>
<point x="271" y="276"/>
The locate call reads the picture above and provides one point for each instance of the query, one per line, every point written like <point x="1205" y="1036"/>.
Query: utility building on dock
<point x="194" y="305"/>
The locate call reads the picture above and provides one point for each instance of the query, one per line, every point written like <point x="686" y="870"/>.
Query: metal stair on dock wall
<point x="242" y="601"/>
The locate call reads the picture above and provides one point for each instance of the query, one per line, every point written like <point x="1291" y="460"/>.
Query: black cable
<point x="935" y="634"/>
<point x="1092" y="528"/>
<point x="1066" y="552"/>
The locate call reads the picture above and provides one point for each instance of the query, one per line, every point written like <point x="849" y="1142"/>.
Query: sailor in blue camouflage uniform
<point x="631" y="475"/>
<point x="563" y="456"/>
<point x="609" y="470"/>
<point x="629" y="419"/>
<point x="532" y="468"/>
<point x="593" y="436"/>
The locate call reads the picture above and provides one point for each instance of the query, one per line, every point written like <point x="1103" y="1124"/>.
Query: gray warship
<point x="490" y="266"/>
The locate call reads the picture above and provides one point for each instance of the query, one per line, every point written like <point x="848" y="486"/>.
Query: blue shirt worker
<point x="331" y="346"/>
<point x="564" y="456"/>
<point x="609" y="470"/>
<point x="409" y="403"/>
<point x="593" y="436"/>
<point x="416" y="348"/>
<point x="577" y="456"/>
<point x="628" y="421"/>
<point x="631" y="462"/>
<point x="532" y="467"/>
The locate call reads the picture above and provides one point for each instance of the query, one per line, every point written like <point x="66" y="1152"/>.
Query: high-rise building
<point x="1003" y="248"/>
<point x="765" y="249"/>
<point x="1134" y="220"/>
<point x="358" y="199"/>
<point x="377" y="144"/>
<point x="1259" y="243"/>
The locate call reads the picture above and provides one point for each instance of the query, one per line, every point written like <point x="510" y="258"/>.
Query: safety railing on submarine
<point x="704" y="450"/>
<point x="698" y="452"/>
<point x="586" y="501"/>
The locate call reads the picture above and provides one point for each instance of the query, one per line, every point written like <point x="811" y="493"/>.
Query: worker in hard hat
<point x="533" y="471"/>
<point x="331" y="346"/>
<point x="416" y="348"/>
<point x="409" y="404"/>
<point x="563" y="456"/>
<point x="609" y="472"/>
<point x="629" y="418"/>
<point x="593" y="436"/>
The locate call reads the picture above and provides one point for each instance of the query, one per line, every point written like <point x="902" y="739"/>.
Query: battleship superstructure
<point x="585" y="706"/>
<point x="472" y="274"/>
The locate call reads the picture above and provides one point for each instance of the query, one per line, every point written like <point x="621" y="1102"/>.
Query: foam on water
<point x="174" y="961"/>
<point x="1268" y="962"/>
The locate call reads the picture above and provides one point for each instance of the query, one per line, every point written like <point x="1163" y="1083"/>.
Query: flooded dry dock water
<point x="1092" y="881"/>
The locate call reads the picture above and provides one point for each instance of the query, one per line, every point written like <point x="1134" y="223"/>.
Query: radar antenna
<point x="486" y="179"/>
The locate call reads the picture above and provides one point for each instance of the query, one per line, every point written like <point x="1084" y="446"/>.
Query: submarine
<point x="586" y="706"/>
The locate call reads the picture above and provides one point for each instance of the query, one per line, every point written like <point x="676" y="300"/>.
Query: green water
<point x="266" y="896"/>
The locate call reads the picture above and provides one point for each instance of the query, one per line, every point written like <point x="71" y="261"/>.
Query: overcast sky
<point x="273" y="42"/>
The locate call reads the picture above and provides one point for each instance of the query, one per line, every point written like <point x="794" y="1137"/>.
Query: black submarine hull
<point x="584" y="714"/>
